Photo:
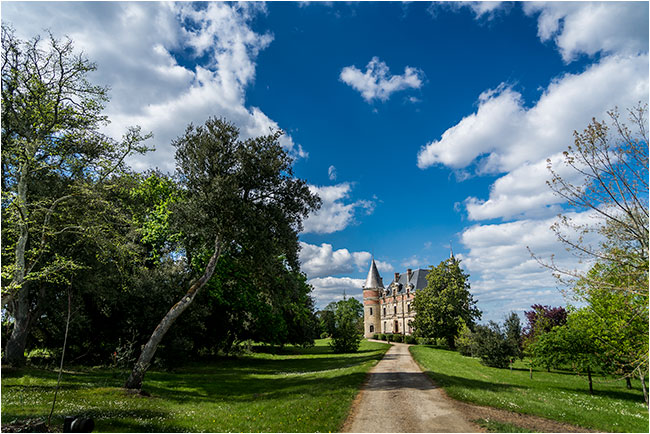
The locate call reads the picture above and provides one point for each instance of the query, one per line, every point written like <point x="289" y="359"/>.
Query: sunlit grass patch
<point x="302" y="391"/>
<point x="560" y="396"/>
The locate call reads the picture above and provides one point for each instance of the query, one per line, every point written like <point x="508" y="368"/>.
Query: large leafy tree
<point x="616" y="321"/>
<point x="55" y="165"/>
<point x="346" y="335"/>
<point x="542" y="319"/>
<point x="240" y="197"/>
<point x="612" y="159"/>
<point x="445" y="304"/>
<point x="569" y="344"/>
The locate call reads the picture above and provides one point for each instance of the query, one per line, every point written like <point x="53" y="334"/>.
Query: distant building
<point x="390" y="309"/>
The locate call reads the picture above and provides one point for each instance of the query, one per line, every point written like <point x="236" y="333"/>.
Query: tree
<point x="569" y="344"/>
<point x="491" y="345"/>
<point x="240" y="196"/>
<point x="512" y="332"/>
<point x="612" y="161"/>
<point x="613" y="164"/>
<point x="347" y="337"/>
<point x="616" y="321"/>
<point x="445" y="304"/>
<point x="542" y="319"/>
<point x="54" y="164"/>
<point x="496" y="345"/>
<point x="327" y="319"/>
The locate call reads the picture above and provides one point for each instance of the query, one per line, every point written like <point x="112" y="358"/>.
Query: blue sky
<point x="419" y="123"/>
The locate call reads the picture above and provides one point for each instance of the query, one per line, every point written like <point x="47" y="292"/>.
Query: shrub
<point x="389" y="337"/>
<point x="375" y="336"/>
<point x="398" y="338"/>
<point x="346" y="338"/>
<point x="40" y="356"/>
<point x="410" y="339"/>
<point x="491" y="345"/>
<point x="324" y="335"/>
<point x="465" y="341"/>
<point x="382" y="336"/>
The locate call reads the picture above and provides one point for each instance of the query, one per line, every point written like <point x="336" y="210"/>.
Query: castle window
<point x="396" y="327"/>
<point x="372" y="328"/>
<point x="384" y="326"/>
<point x="408" y="308"/>
<point x="370" y="314"/>
<point x="395" y="309"/>
<point x="384" y="312"/>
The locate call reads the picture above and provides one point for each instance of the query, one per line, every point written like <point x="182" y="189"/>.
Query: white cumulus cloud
<point x="328" y="289"/>
<point x="503" y="134"/>
<point x="592" y="27"/>
<point x="323" y="260"/>
<point x="137" y="47"/>
<point x="377" y="82"/>
<point x="334" y="214"/>
<point x="503" y="273"/>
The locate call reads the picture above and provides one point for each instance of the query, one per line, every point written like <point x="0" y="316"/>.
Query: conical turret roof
<point x="374" y="279"/>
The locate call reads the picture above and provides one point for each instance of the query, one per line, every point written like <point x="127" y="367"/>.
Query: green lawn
<point x="309" y="391"/>
<point x="560" y="396"/>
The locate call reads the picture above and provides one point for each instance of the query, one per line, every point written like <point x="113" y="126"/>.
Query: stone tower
<point x="371" y="318"/>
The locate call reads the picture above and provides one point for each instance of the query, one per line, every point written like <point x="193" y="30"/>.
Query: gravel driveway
<point x="399" y="397"/>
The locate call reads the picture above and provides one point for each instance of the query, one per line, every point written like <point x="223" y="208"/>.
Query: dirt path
<point x="399" y="397"/>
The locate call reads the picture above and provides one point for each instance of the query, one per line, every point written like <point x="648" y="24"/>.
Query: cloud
<point x="592" y="27"/>
<point x="334" y="215"/>
<point x="503" y="134"/>
<point x="513" y="138"/>
<point x="481" y="9"/>
<point x="523" y="192"/>
<point x="323" y="260"/>
<point x="504" y="274"/>
<point x="331" y="173"/>
<point x="328" y="289"/>
<point x="377" y="83"/>
<point x="143" y="52"/>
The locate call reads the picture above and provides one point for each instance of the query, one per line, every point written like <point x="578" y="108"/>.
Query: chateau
<point x="389" y="310"/>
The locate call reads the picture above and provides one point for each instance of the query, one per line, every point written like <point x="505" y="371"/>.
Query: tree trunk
<point x="15" y="348"/>
<point x="628" y="382"/>
<point x="645" y="391"/>
<point x="591" y="386"/>
<point x="149" y="350"/>
<point x="17" y="298"/>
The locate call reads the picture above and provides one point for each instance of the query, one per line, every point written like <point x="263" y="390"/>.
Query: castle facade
<point x="390" y="309"/>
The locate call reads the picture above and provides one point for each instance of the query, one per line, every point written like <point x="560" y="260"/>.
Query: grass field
<point x="560" y="396"/>
<point x="308" y="391"/>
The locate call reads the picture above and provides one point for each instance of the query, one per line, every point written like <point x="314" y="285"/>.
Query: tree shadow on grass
<point x="255" y="366"/>
<point x="248" y="389"/>
<point x="136" y="420"/>
<point x="470" y="383"/>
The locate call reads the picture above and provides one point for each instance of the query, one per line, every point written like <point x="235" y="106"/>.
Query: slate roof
<point x="374" y="279"/>
<point x="418" y="280"/>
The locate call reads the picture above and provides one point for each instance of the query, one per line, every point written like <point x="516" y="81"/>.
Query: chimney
<point x="409" y="273"/>
<point x="396" y="277"/>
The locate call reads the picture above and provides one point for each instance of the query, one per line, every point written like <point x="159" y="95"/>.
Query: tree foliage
<point x="239" y="198"/>
<point x="494" y="344"/>
<point x="542" y="319"/>
<point x="56" y="170"/>
<point x="611" y="159"/>
<point x="445" y="304"/>
<point x="346" y="336"/>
